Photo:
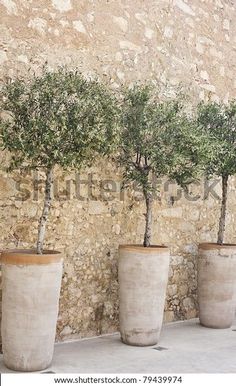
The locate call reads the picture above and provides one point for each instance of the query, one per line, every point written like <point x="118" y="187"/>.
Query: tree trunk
<point x="148" y="218"/>
<point x="223" y="210"/>
<point x="46" y="209"/>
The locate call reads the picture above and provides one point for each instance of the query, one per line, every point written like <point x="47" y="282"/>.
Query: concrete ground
<point x="184" y="347"/>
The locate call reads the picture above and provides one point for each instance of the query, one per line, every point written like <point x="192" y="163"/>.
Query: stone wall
<point x="192" y="42"/>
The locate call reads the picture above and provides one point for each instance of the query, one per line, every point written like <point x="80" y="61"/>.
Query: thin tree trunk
<point x="223" y="210"/>
<point x="148" y="218"/>
<point x="46" y="209"/>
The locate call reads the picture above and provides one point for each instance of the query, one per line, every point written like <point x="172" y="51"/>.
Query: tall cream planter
<point x="216" y="284"/>
<point x="143" y="275"/>
<point x="30" y="298"/>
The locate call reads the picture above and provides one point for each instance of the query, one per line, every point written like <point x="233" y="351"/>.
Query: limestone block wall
<point x="169" y="41"/>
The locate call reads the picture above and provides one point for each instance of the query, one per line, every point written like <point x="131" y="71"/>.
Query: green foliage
<point x="157" y="138"/>
<point x="58" y="118"/>
<point x="217" y="123"/>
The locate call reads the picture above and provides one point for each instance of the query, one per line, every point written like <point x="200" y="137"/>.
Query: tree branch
<point x="46" y="209"/>
<point x="148" y="219"/>
<point x="221" y="230"/>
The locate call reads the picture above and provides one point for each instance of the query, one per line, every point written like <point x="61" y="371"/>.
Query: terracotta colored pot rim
<point x="142" y="249"/>
<point x="216" y="246"/>
<point x="30" y="257"/>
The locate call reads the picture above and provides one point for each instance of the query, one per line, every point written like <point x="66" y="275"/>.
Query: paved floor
<point x="184" y="347"/>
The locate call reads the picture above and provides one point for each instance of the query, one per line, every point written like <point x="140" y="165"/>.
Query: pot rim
<point x="30" y="257"/>
<point x="216" y="246"/>
<point x="142" y="249"/>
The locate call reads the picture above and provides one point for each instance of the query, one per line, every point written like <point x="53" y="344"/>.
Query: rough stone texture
<point x="192" y="42"/>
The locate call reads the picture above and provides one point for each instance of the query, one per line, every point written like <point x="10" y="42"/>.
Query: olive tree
<point x="217" y="123"/>
<point x="58" y="118"/>
<point x="157" y="138"/>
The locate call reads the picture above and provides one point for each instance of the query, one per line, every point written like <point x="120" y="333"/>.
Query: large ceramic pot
<point x="30" y="297"/>
<point x="216" y="284"/>
<point x="143" y="276"/>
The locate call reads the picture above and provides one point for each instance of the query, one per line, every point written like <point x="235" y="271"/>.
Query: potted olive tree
<point x="157" y="138"/>
<point x="217" y="261"/>
<point x="57" y="119"/>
